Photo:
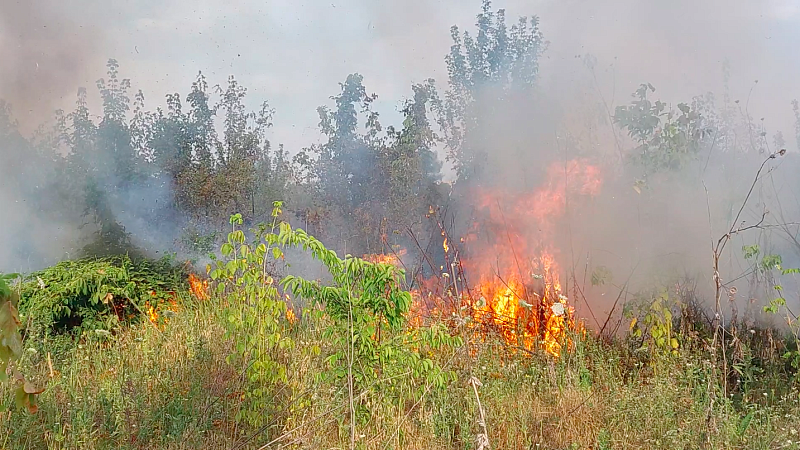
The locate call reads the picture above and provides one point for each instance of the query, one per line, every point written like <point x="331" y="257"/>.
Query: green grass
<point x="151" y="388"/>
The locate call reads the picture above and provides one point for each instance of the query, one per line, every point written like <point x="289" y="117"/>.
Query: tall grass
<point x="172" y="388"/>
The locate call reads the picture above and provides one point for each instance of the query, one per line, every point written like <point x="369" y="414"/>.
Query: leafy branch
<point x="11" y="345"/>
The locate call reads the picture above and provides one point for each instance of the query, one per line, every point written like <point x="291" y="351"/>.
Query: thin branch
<point x="614" y="307"/>
<point x="513" y="252"/>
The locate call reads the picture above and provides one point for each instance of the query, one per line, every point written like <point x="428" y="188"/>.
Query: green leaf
<point x="601" y="275"/>
<point x="750" y="251"/>
<point x="770" y="262"/>
<point x="744" y="424"/>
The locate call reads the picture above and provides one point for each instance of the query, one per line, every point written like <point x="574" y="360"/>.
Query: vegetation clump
<point x="97" y="293"/>
<point x="382" y="352"/>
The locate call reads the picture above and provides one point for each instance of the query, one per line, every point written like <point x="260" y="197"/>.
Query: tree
<point x="494" y="71"/>
<point x="409" y="162"/>
<point x="115" y="162"/>
<point x="344" y="171"/>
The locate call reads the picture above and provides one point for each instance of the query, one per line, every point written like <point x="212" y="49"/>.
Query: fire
<point x="151" y="312"/>
<point x="198" y="287"/>
<point x="381" y="258"/>
<point x="511" y="276"/>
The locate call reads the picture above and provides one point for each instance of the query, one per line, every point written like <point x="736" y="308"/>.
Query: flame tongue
<point x="518" y="291"/>
<point x="198" y="287"/>
<point x="525" y="313"/>
<point x="381" y="258"/>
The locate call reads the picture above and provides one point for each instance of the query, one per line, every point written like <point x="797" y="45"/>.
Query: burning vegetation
<point x="462" y="324"/>
<point x="505" y="274"/>
<point x="198" y="287"/>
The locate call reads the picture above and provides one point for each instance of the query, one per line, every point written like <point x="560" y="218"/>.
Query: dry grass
<point x="145" y="387"/>
<point x="172" y="389"/>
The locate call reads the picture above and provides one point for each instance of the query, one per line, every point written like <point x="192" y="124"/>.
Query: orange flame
<point x="290" y="316"/>
<point x="511" y="262"/>
<point x="381" y="258"/>
<point x="151" y="312"/>
<point x="198" y="287"/>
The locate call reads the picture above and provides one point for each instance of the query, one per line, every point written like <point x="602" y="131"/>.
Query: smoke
<point x="46" y="55"/>
<point x="738" y="52"/>
<point x="598" y="53"/>
<point x="34" y="229"/>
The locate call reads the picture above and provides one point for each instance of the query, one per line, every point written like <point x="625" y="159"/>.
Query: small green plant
<point x="661" y="338"/>
<point x="778" y="305"/>
<point x="603" y="440"/>
<point x="254" y="312"/>
<point x="11" y="345"/>
<point x="374" y="352"/>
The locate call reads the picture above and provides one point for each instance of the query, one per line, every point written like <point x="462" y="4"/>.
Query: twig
<point x="419" y="246"/>
<point x="608" y="111"/>
<point x="624" y="289"/>
<point x="482" y="439"/>
<point x="582" y="403"/>
<point x="717" y="250"/>
<point x="589" y="307"/>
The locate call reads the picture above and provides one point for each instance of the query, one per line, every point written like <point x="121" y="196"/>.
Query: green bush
<point x="96" y="294"/>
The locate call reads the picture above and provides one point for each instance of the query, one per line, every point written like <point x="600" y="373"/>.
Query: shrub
<point x="92" y="294"/>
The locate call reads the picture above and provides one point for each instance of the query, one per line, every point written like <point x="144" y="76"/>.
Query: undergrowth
<point x="148" y="388"/>
<point x="357" y="375"/>
<point x="96" y="293"/>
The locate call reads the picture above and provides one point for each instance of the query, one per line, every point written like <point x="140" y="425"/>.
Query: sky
<point x="293" y="53"/>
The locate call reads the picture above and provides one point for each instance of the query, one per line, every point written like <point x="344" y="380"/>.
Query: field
<point x="201" y="370"/>
<point x="537" y="250"/>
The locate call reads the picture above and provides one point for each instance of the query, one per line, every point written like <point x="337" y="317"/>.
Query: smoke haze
<point x="294" y="54"/>
<point x="46" y="55"/>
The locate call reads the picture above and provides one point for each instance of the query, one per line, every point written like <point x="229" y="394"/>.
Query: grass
<point x="144" y="388"/>
<point x="172" y="388"/>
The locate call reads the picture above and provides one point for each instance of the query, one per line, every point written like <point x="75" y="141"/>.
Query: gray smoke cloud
<point x="294" y="53"/>
<point x="47" y="52"/>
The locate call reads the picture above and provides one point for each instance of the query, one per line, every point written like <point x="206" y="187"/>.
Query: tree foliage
<point x="489" y="71"/>
<point x="668" y="140"/>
